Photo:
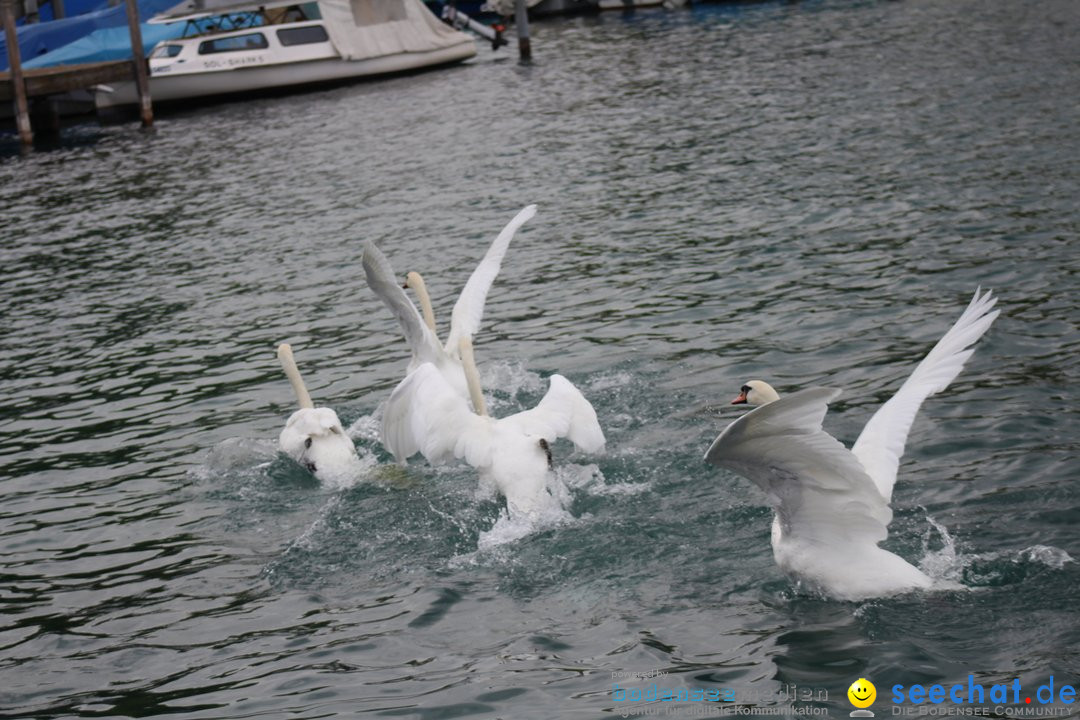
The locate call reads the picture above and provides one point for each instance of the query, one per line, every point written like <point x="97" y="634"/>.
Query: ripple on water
<point x="806" y="192"/>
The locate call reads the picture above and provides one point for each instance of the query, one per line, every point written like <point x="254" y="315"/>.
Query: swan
<point x="832" y="504"/>
<point x="314" y="436"/>
<point x="467" y="313"/>
<point x="425" y="414"/>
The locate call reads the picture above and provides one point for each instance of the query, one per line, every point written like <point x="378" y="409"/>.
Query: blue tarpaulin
<point x="107" y="44"/>
<point x="39" y="39"/>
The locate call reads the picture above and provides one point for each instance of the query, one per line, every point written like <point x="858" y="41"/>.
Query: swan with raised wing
<point x="513" y="454"/>
<point x="832" y="504"/>
<point x="467" y="314"/>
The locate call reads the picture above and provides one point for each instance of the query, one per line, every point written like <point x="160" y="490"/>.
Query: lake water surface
<point x="808" y="193"/>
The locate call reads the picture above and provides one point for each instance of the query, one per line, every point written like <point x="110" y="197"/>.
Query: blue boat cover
<point x="37" y="40"/>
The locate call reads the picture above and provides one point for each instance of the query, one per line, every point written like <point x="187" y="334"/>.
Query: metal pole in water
<point x="18" y="86"/>
<point x="521" y="19"/>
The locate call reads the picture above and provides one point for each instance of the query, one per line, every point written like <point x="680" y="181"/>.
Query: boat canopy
<point x="362" y="29"/>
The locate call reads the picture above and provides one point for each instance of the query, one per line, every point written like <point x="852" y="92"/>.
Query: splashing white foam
<point x="1046" y="555"/>
<point x="238" y="455"/>
<point x="365" y="428"/>
<point x="947" y="566"/>
<point x="611" y="381"/>
<point x="944" y="563"/>
<point x="511" y="377"/>
<point x="512" y="526"/>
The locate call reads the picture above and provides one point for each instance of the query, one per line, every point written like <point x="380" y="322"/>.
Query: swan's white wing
<point x="380" y="278"/>
<point x="469" y="308"/>
<point x="563" y="412"/>
<point x="820" y="492"/>
<point x="425" y="414"/>
<point x="881" y="443"/>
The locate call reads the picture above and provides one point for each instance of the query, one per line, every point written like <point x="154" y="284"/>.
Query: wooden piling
<point x="521" y="20"/>
<point x="22" y="107"/>
<point x="142" y="76"/>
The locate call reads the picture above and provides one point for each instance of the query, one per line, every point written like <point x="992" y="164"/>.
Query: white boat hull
<point x="265" y="77"/>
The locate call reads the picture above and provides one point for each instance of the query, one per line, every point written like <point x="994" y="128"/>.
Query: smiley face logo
<point x="862" y="693"/>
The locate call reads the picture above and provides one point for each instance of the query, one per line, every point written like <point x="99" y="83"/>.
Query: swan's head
<point x="413" y="280"/>
<point x="315" y="438"/>
<point x="755" y="392"/>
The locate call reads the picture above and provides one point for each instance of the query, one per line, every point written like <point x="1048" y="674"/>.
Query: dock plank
<point x="64" y="78"/>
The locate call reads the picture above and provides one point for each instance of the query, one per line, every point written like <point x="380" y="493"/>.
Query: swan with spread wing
<point x="832" y="504"/>
<point x="513" y="454"/>
<point x="438" y="410"/>
<point x="468" y="311"/>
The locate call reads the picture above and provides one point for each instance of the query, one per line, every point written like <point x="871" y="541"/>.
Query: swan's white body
<point x="314" y="436"/>
<point x="831" y="503"/>
<point x="429" y="411"/>
<point x="467" y="314"/>
<point x="426" y="415"/>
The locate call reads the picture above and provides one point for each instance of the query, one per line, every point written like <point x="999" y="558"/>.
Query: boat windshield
<point x="166" y="51"/>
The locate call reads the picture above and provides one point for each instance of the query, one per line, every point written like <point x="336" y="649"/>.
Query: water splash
<point x="948" y="565"/>
<point x="366" y="427"/>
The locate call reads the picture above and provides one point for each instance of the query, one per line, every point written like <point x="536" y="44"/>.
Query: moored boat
<point x="251" y="48"/>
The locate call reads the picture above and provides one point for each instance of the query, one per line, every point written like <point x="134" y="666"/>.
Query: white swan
<point x="831" y="503"/>
<point x="426" y="415"/>
<point x="314" y="436"/>
<point x="465" y="318"/>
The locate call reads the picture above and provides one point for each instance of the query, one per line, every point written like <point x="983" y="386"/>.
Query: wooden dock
<point x="41" y="82"/>
<point x="19" y="85"/>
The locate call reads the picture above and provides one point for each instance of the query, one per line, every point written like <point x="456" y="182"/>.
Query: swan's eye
<point x="745" y="389"/>
<point x="307" y="443"/>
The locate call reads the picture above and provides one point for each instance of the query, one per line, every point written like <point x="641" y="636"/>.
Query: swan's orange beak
<point x="741" y="400"/>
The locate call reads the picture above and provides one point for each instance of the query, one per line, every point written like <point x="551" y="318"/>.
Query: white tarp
<point x="361" y="29"/>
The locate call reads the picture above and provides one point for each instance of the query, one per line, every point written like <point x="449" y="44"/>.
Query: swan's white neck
<point x="416" y="282"/>
<point x="472" y="376"/>
<point x="285" y="356"/>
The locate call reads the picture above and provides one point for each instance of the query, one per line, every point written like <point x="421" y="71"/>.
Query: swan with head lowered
<point x="467" y="314"/>
<point x="513" y="454"/>
<point x="314" y="436"/>
<point x="832" y="504"/>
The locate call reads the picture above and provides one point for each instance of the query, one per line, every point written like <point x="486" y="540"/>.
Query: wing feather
<point x="881" y="443"/>
<point x="469" y="308"/>
<point x="380" y="276"/>
<point x="425" y="414"/>
<point x="819" y="490"/>
<point x="563" y="412"/>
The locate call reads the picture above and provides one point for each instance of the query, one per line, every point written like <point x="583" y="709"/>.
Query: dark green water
<point x="804" y="192"/>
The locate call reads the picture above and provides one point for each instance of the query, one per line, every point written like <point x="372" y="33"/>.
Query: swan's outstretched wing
<point x="380" y="278"/>
<point x="563" y="412"/>
<point x="881" y="443"/>
<point x="819" y="491"/>
<point x="425" y="414"/>
<point x="469" y="308"/>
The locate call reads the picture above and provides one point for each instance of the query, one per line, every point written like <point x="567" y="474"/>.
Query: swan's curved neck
<point x="416" y="282"/>
<point x="285" y="356"/>
<point x="472" y="376"/>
